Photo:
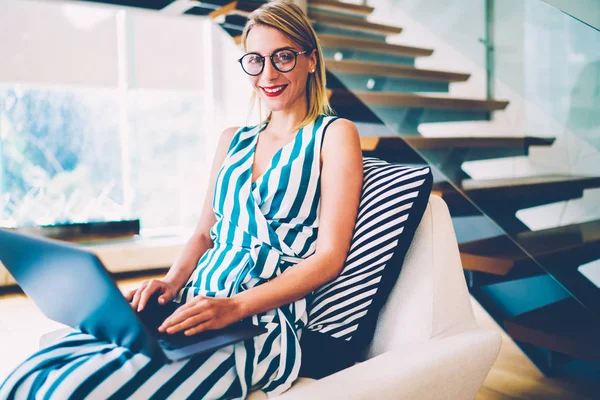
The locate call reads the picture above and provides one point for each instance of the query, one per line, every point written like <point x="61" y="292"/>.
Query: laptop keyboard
<point x="170" y="344"/>
<point x="153" y="315"/>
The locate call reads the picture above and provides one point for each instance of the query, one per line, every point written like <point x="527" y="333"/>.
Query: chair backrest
<point x="430" y="297"/>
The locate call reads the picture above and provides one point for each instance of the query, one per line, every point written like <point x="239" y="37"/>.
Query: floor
<point x="512" y="377"/>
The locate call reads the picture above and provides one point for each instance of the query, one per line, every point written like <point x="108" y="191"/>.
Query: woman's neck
<point x="283" y="122"/>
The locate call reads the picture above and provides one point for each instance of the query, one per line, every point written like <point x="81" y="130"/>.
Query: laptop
<point x="70" y="285"/>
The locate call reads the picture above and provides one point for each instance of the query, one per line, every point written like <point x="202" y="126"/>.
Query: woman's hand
<point x="139" y="297"/>
<point x="202" y="314"/>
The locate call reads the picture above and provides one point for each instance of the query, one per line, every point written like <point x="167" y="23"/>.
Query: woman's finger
<point x="196" y="303"/>
<point x="129" y="295"/>
<point x="136" y="297"/>
<point x="189" y="323"/>
<point x="205" y="326"/>
<point x="152" y="288"/>
<point x="175" y="319"/>
<point x="179" y="316"/>
<point x="166" y="297"/>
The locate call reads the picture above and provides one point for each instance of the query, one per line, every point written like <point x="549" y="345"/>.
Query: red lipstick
<point x="271" y="92"/>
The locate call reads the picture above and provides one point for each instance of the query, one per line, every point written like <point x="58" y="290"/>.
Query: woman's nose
<point x="269" y="71"/>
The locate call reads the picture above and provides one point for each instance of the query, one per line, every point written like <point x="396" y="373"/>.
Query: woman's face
<point x="279" y="90"/>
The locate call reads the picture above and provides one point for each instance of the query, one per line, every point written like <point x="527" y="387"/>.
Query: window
<point x="104" y="115"/>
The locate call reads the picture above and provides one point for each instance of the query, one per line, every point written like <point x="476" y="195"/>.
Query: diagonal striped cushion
<point x="343" y="313"/>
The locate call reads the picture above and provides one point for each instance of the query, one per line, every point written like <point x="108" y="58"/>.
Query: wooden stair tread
<point x="214" y="4"/>
<point x="498" y="255"/>
<point x="565" y="327"/>
<point x="372" y="45"/>
<point x="376" y="46"/>
<point x="537" y="243"/>
<point x="386" y="69"/>
<point x="241" y="8"/>
<point x="391" y="99"/>
<point x="333" y="5"/>
<point x="502" y="198"/>
<point x="352" y="23"/>
<point x="480" y="185"/>
<point x="430" y="143"/>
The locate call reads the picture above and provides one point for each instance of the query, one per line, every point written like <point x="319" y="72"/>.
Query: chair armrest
<point x="453" y="368"/>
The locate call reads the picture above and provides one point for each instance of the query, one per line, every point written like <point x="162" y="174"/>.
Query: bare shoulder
<point x="225" y="139"/>
<point x="341" y="136"/>
<point x="227" y="134"/>
<point x="342" y="127"/>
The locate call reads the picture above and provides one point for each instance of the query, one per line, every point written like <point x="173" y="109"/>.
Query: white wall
<point x="75" y="44"/>
<point x="48" y="43"/>
<point x="168" y="52"/>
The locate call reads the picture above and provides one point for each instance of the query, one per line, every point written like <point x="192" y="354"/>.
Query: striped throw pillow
<point x="343" y="313"/>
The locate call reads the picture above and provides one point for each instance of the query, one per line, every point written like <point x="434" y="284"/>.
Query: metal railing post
<point x="488" y="42"/>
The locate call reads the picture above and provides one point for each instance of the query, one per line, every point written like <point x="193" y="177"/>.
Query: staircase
<point x="371" y="81"/>
<point x="374" y="82"/>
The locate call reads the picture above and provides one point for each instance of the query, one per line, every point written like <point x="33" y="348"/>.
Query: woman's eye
<point x="254" y="60"/>
<point x="286" y="56"/>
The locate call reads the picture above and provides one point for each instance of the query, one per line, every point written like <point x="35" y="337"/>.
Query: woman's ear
<point x="312" y="60"/>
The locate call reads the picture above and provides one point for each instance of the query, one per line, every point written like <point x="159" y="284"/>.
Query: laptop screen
<point x="71" y="286"/>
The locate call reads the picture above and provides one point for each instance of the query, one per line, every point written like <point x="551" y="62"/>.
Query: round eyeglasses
<point x="282" y="60"/>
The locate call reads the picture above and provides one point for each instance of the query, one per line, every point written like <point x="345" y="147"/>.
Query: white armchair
<point x="427" y="344"/>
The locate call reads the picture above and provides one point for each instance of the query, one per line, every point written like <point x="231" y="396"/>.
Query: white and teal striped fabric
<point x="262" y="228"/>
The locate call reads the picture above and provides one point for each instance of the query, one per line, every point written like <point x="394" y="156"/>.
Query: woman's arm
<point x="341" y="183"/>
<point x="195" y="247"/>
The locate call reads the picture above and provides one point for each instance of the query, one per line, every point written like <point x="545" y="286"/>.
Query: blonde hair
<point x="290" y="20"/>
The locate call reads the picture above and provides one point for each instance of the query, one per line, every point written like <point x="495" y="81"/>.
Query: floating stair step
<point x="522" y="185"/>
<point x="502" y="196"/>
<point x="204" y="8"/>
<point x="244" y="8"/>
<point x="561" y="245"/>
<point x="404" y="112"/>
<point x="392" y="149"/>
<point x="378" y="46"/>
<point x="232" y="24"/>
<point x="584" y="239"/>
<point x="152" y="5"/>
<point x="358" y="48"/>
<point x="358" y="10"/>
<point x="449" y="150"/>
<point x="200" y="11"/>
<point x="352" y="24"/>
<point x="240" y="8"/>
<point x="399" y="71"/>
<point x="347" y="98"/>
<point x="393" y="143"/>
<point x="422" y="142"/>
<point x="564" y="327"/>
<point x="214" y="3"/>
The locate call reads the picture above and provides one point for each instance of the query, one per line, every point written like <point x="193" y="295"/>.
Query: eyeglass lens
<point x="283" y="61"/>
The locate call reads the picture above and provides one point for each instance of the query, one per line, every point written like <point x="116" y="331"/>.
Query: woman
<point x="276" y="224"/>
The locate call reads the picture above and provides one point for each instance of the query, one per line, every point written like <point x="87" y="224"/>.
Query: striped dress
<point x="263" y="228"/>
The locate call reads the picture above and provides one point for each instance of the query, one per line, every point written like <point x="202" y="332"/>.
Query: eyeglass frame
<point x="296" y="54"/>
